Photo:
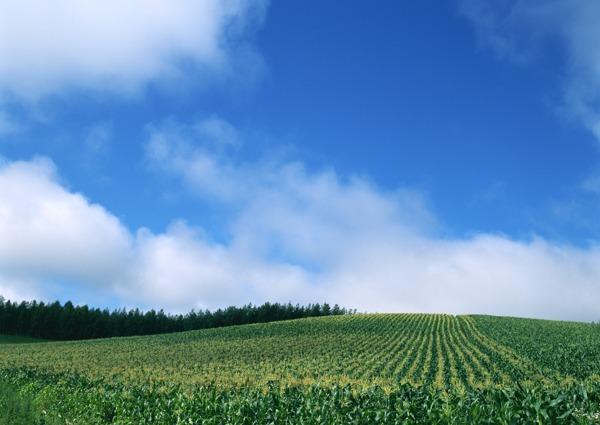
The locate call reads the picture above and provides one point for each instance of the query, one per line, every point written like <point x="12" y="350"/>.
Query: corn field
<point x="384" y="368"/>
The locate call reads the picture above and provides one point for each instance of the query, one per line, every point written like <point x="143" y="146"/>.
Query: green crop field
<point x="383" y="368"/>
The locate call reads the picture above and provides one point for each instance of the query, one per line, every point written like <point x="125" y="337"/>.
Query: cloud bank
<point x="524" y="31"/>
<point x="49" y="235"/>
<point x="294" y="234"/>
<point x="119" y="46"/>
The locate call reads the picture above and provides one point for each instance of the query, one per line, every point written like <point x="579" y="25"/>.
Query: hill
<point x="456" y="360"/>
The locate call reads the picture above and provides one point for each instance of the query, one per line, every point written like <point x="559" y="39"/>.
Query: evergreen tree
<point x="69" y="322"/>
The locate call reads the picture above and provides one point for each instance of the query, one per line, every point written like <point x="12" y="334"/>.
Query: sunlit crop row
<point x="442" y="357"/>
<point x="362" y="350"/>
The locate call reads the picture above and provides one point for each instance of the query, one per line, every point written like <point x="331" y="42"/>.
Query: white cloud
<point x="207" y="167"/>
<point x="351" y="243"/>
<point x="120" y="45"/>
<point x="182" y="269"/>
<point x="524" y="30"/>
<point x="48" y="233"/>
<point x="52" y="241"/>
<point x="485" y="274"/>
<point x="297" y="236"/>
<point x="180" y="263"/>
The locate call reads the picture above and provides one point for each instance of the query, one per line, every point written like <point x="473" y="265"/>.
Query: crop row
<point x="570" y="349"/>
<point x="427" y="350"/>
<point x="386" y="368"/>
<point x="70" y="399"/>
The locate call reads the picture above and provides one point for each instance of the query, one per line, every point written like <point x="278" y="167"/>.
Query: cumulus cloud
<point x="119" y="46"/>
<point x="347" y="241"/>
<point x="486" y="274"/>
<point x="293" y="235"/>
<point x="183" y="269"/>
<point x="49" y="234"/>
<point x="525" y="30"/>
<point x="52" y="239"/>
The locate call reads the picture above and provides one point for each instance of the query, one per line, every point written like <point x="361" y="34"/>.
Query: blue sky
<point x="399" y="156"/>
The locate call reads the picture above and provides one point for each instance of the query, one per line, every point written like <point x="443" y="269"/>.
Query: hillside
<point x="431" y="354"/>
<point x="567" y="348"/>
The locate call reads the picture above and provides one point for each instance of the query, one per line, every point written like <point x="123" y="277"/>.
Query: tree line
<point x="54" y="321"/>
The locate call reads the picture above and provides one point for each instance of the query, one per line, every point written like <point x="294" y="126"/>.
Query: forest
<point x="54" y="321"/>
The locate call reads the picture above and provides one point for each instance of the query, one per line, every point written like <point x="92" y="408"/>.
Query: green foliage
<point x="69" y="322"/>
<point x="361" y="369"/>
<point x="98" y="402"/>
<point x="16" y="409"/>
<point x="565" y="348"/>
<point x="18" y="339"/>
